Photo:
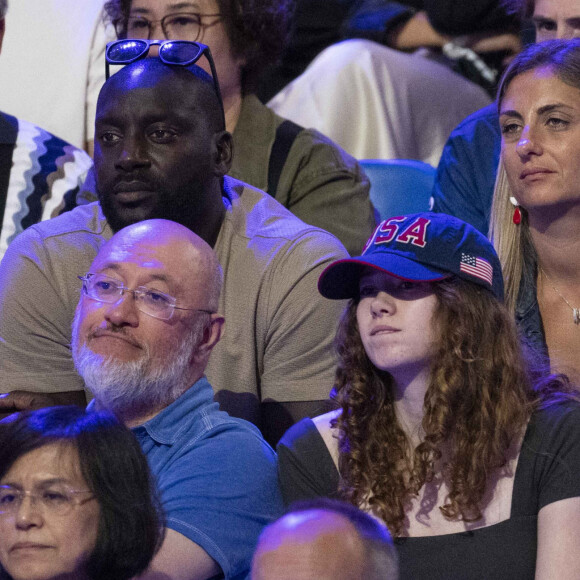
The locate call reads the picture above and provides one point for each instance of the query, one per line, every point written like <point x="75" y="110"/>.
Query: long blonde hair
<point x="512" y="242"/>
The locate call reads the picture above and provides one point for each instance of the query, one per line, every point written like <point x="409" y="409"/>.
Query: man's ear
<point x="211" y="336"/>
<point x="224" y="152"/>
<point x="2" y="30"/>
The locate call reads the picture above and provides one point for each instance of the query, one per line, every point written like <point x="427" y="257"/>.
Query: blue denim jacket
<point x="528" y="317"/>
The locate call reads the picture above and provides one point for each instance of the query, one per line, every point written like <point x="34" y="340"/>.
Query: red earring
<point x="517" y="218"/>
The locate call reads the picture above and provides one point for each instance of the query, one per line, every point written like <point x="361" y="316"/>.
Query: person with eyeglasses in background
<point x="467" y="171"/>
<point x="144" y="328"/>
<point x="301" y="168"/>
<point x="162" y="152"/>
<point x="77" y="500"/>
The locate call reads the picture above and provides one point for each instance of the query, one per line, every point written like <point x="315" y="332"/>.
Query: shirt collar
<point x="165" y="428"/>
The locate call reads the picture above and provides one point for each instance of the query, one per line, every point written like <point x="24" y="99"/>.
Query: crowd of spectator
<point x="217" y="362"/>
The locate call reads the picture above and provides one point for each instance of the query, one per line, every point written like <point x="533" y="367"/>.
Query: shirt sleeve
<point x="220" y="493"/>
<point x="554" y="445"/>
<point x="305" y="467"/>
<point x="325" y="187"/>
<point x="38" y="298"/>
<point x="298" y="324"/>
<point x="465" y="177"/>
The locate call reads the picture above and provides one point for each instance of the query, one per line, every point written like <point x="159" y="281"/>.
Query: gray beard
<point x="129" y="388"/>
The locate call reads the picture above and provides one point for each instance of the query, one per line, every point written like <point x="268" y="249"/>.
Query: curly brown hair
<point x="478" y="400"/>
<point x="257" y="30"/>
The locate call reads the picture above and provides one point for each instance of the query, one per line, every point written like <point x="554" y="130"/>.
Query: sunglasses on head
<point x="172" y="52"/>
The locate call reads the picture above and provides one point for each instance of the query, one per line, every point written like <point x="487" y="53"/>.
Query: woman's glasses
<point x="178" y="26"/>
<point x="172" y="52"/>
<point x="57" y="500"/>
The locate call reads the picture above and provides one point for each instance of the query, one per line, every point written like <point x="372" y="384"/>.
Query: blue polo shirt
<point x="216" y="476"/>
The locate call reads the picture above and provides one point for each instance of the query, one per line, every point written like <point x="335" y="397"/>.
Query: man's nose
<point x="123" y="312"/>
<point x="133" y="154"/>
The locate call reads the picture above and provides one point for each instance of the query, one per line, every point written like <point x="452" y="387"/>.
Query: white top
<point x="379" y="103"/>
<point x="52" y="65"/>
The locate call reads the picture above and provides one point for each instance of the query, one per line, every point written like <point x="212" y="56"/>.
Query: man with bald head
<point x="146" y="323"/>
<point x="325" y="540"/>
<point x="161" y="151"/>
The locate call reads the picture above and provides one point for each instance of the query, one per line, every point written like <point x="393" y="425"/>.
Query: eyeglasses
<point x="151" y="302"/>
<point x="56" y="501"/>
<point x="178" y="26"/>
<point x="172" y="52"/>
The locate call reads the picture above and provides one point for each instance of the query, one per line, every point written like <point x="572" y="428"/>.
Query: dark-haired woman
<point x="471" y="460"/>
<point x="76" y="498"/>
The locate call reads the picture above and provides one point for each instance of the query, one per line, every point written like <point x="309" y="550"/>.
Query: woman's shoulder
<point x="323" y="421"/>
<point x="298" y="434"/>
<point x="558" y="415"/>
<point x="549" y="464"/>
<point x="329" y="434"/>
<point x="553" y="425"/>
<point x="306" y="465"/>
<point x="309" y="432"/>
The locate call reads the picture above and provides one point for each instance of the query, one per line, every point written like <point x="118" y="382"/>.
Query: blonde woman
<point x="535" y="223"/>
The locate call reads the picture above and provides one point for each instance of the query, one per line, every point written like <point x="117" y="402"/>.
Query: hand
<point x="489" y="42"/>
<point x="27" y="401"/>
<point x="416" y="32"/>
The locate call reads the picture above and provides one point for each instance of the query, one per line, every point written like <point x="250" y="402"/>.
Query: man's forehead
<point x="126" y="261"/>
<point x="171" y="260"/>
<point x="178" y="85"/>
<point x="128" y="250"/>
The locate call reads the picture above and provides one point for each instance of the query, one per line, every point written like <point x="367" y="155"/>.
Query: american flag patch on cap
<point x="477" y="267"/>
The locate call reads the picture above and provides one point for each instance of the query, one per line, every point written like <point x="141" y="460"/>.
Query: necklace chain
<point x="575" y="311"/>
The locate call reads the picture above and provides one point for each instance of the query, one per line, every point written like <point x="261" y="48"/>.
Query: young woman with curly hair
<point x="444" y="430"/>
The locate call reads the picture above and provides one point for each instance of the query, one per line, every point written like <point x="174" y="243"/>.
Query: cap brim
<point x="340" y="280"/>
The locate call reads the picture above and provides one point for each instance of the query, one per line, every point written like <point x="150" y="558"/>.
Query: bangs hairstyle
<point x="477" y="403"/>
<point x="113" y="466"/>
<point x="513" y="242"/>
<point x="257" y="30"/>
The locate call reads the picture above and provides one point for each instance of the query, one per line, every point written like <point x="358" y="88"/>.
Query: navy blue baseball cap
<point x="421" y="247"/>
